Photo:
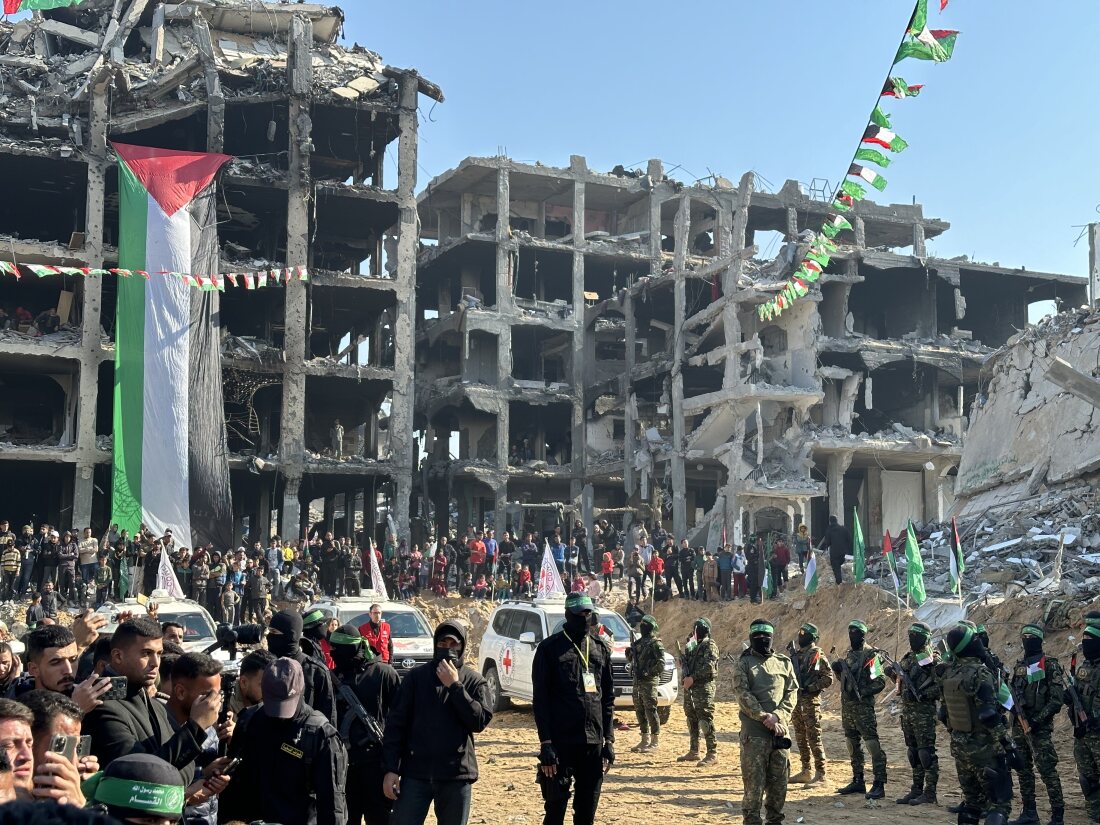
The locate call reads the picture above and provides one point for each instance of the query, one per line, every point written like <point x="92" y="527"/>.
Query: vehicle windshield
<point x="402" y="625"/>
<point x="612" y="621"/>
<point x="196" y="627"/>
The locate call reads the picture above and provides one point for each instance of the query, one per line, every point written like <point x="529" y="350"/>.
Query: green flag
<point x="919" y="21"/>
<point x="859" y="559"/>
<point x="931" y="44"/>
<point x="853" y="190"/>
<point x="834" y="226"/>
<point x="914" y="571"/>
<point x="880" y="118"/>
<point x="873" y="156"/>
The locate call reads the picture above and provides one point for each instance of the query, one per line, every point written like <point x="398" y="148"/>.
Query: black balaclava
<point x="1031" y="637"/>
<point x="760" y="636"/>
<point x="857" y="634"/>
<point x="349" y="648"/>
<point x="702" y="629"/>
<point x="454" y="656"/>
<point x="919" y="636"/>
<point x="287" y="641"/>
<point x="317" y="630"/>
<point x="645" y="628"/>
<point x="962" y="640"/>
<point x="1090" y="640"/>
<point x="807" y="635"/>
<point x="576" y="624"/>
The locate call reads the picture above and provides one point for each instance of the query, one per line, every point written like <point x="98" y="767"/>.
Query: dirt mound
<point x="471" y="612"/>
<point x="830" y="608"/>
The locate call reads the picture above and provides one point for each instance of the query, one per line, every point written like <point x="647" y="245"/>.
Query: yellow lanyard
<point x="587" y="650"/>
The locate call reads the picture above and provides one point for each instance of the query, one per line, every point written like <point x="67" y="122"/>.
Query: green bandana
<point x="966" y="639"/>
<point x="811" y="630"/>
<point x="338" y="638"/>
<point x="166" y="800"/>
<point x="649" y="620"/>
<point x="858" y="625"/>
<point x="762" y="627"/>
<point x="922" y="629"/>
<point x="312" y="617"/>
<point x="1093" y="630"/>
<point x="1033" y="630"/>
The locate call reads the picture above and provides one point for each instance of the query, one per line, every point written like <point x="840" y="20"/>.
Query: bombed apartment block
<point x="316" y="370"/>
<point x="588" y="344"/>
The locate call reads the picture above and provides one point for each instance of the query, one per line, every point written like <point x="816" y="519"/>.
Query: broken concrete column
<point x="918" y="240"/>
<point x="838" y="464"/>
<point x="679" y="477"/>
<point x="504" y="273"/>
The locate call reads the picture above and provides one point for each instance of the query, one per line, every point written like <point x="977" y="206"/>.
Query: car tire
<point x="497" y="700"/>
<point x="664" y="713"/>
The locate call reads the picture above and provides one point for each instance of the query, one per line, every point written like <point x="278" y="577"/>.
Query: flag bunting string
<point x="920" y="43"/>
<point x="245" y="280"/>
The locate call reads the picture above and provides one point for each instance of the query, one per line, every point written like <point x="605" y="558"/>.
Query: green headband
<point x="312" y="617"/>
<point x="1033" y="630"/>
<point x="148" y="797"/>
<point x="922" y="629"/>
<point x="811" y="630"/>
<point x="762" y="627"/>
<point x="1093" y="630"/>
<point x="649" y="620"/>
<point x="338" y="638"/>
<point x="858" y="625"/>
<point x="979" y="628"/>
<point x="968" y="636"/>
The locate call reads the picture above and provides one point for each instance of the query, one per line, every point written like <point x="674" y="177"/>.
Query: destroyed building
<point x="324" y="140"/>
<point x="592" y="339"/>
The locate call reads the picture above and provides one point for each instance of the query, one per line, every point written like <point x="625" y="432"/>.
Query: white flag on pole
<point x="166" y="577"/>
<point x="549" y="580"/>
<point x="377" y="583"/>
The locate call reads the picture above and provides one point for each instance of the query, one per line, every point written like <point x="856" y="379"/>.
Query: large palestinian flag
<point x="171" y="468"/>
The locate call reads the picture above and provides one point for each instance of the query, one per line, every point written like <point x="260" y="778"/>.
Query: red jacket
<point x="379" y="639"/>
<point x="656" y="565"/>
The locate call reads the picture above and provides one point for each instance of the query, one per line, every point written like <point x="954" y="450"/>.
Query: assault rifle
<point x="797" y="668"/>
<point x="903" y="675"/>
<point x="1017" y="710"/>
<point x="847" y="678"/>
<point x="1078" y="717"/>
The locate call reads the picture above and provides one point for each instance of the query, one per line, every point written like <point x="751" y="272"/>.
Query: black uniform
<point x="576" y="722"/>
<point x="375" y="685"/>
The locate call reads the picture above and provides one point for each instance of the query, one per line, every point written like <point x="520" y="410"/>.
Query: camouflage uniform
<point x="813" y="670"/>
<point x="857" y="712"/>
<point x="1086" y="743"/>
<point x="1040" y="701"/>
<point x="763" y="685"/>
<point x="700" y="662"/>
<point x="918" y="719"/>
<point x="968" y="690"/>
<point x="648" y="663"/>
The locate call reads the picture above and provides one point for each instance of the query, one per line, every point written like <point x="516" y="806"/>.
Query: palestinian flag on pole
<point x="870" y="175"/>
<point x="171" y="468"/>
<point x="931" y="44"/>
<point x="897" y="87"/>
<point x="958" y="566"/>
<point x="891" y="561"/>
<point x="884" y="138"/>
<point x="859" y="554"/>
<point x="12" y="6"/>
<point x="810" y="583"/>
<point x="834" y="226"/>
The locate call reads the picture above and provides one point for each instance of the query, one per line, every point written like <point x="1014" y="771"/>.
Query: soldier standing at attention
<point x="972" y="714"/>
<point x="814" y="675"/>
<point x="700" y="667"/>
<point x="918" y="714"/>
<point x="766" y="688"/>
<point x="1086" y="731"/>
<point x="1038" y="682"/>
<point x="861" y="679"/>
<point x="647" y="658"/>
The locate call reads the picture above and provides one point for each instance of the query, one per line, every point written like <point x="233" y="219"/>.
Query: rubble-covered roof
<point x="170" y="56"/>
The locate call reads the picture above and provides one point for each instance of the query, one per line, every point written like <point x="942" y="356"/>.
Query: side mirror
<point x="527" y="638"/>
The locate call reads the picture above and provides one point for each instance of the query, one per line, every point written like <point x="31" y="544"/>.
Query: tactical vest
<point x="1088" y="687"/>
<point x="959" y="698"/>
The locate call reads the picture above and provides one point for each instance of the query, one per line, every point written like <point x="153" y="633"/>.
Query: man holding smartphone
<point x="52" y="654"/>
<point x="62" y="757"/>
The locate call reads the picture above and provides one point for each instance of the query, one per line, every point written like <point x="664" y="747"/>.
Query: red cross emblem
<point x="507" y="660"/>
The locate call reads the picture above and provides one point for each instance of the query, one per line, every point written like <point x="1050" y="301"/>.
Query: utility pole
<point x="1094" y="263"/>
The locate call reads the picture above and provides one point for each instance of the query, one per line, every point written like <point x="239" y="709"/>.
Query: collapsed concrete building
<point x="325" y="145"/>
<point x="592" y="340"/>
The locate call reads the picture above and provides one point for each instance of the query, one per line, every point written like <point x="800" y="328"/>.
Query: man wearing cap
<point x="700" y="668"/>
<point x="366" y="689"/>
<point x="972" y="713"/>
<point x="766" y="688"/>
<point x="139" y="788"/>
<point x="574" y="699"/>
<point x="861" y="680"/>
<point x="814" y="675"/>
<point x="1038" y="683"/>
<point x="647" y="659"/>
<point x="284" y="638"/>
<point x="919" y="692"/>
<point x="1086" y="734"/>
<point x="428" y="749"/>
<point x="293" y="765"/>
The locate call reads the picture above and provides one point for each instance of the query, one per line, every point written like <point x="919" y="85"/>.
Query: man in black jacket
<point x="293" y="765"/>
<point x="428" y="751"/>
<point x="139" y="723"/>
<point x="838" y="541"/>
<point x="284" y="638"/>
<point x="372" y="685"/>
<point x="574" y="700"/>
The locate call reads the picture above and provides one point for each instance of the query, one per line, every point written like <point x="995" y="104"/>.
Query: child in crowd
<point x="230" y="600"/>
<point x="607" y="567"/>
<point x="481" y="587"/>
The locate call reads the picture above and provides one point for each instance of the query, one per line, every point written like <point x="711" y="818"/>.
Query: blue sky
<point x="1001" y="140"/>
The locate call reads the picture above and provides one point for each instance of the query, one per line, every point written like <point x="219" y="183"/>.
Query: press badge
<point x="589" y="682"/>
